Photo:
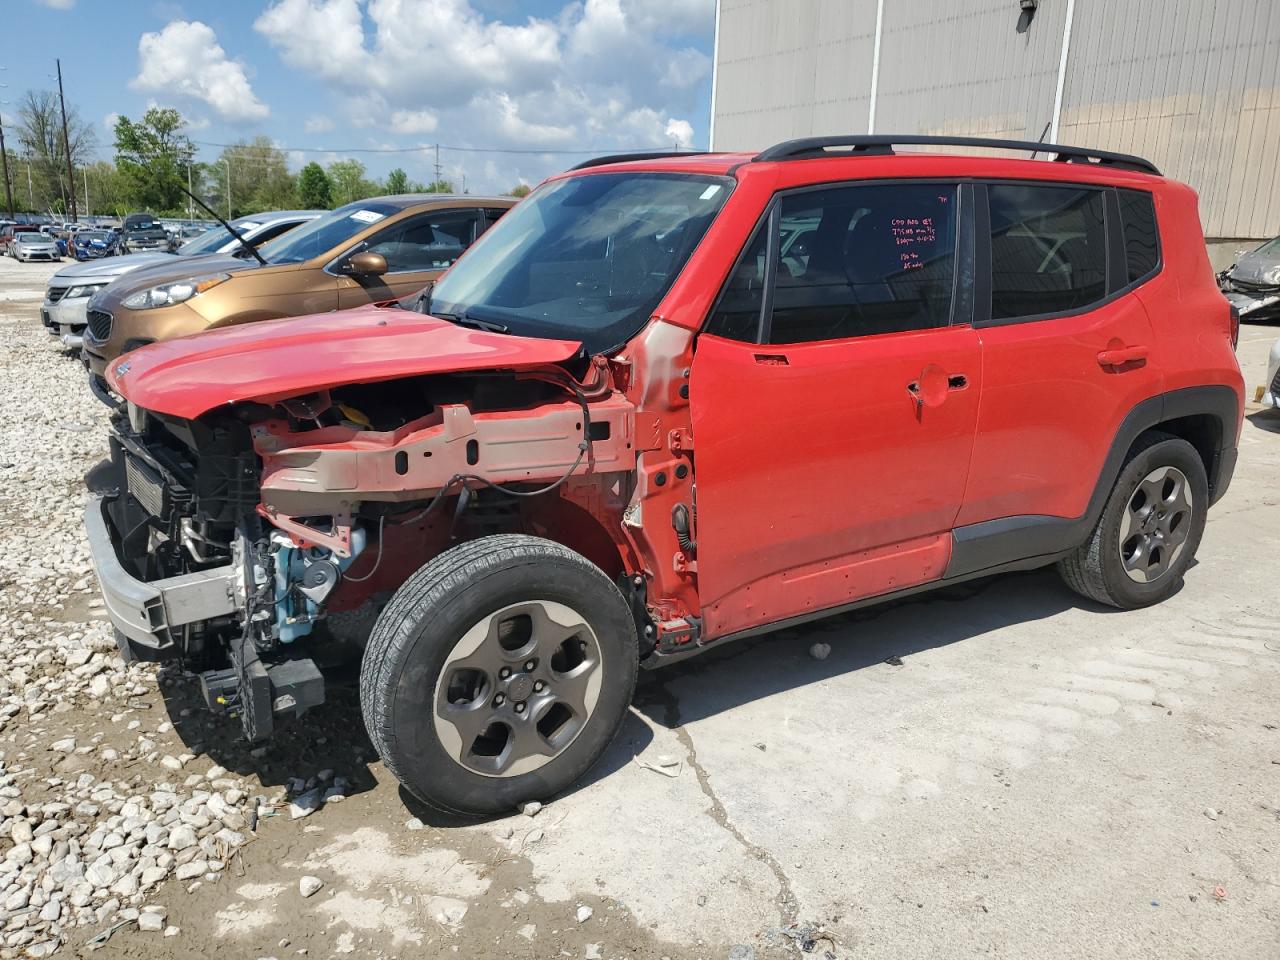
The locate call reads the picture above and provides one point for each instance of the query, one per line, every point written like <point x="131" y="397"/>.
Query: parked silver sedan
<point x="1252" y="283"/>
<point x="34" y="246"/>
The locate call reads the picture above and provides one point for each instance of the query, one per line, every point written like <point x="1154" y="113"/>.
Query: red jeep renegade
<point x="663" y="403"/>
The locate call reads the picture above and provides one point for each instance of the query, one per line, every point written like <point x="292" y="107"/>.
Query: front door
<point x="834" y="401"/>
<point x="417" y="249"/>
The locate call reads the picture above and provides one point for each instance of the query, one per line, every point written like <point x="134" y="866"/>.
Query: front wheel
<point x="498" y="673"/>
<point x="1149" y="530"/>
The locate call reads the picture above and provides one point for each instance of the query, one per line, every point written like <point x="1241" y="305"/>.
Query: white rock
<point x="181" y="837"/>
<point x="66" y="745"/>
<point x="151" y="922"/>
<point x="531" y="808"/>
<point x="191" y="870"/>
<point x="820" y="651"/>
<point x="309" y="885"/>
<point x="584" y="914"/>
<point x="446" y="911"/>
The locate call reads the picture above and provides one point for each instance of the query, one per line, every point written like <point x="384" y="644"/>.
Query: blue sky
<point x="330" y="76"/>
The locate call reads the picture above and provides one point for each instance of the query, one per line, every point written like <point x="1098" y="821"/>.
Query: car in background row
<point x="93" y="244"/>
<point x="67" y="295"/>
<point x="374" y="250"/>
<point x="33" y="245"/>
<point x="7" y="235"/>
<point x="1252" y="283"/>
<point x="142" y="231"/>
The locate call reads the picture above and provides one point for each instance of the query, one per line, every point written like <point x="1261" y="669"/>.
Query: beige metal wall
<point x="1194" y="85"/>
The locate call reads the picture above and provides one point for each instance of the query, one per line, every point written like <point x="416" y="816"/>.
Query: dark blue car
<point x="93" y="244"/>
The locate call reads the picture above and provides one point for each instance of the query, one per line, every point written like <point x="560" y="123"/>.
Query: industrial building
<point x="1193" y="85"/>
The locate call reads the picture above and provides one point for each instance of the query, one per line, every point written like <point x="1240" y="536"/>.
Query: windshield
<point x="319" y="236"/>
<point x="143" y="225"/>
<point x="586" y="258"/>
<point x="1270" y="249"/>
<point x="32" y="237"/>
<point x="213" y="240"/>
<point x="90" y="235"/>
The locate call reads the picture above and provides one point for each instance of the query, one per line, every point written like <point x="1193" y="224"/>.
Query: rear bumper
<point x="147" y="614"/>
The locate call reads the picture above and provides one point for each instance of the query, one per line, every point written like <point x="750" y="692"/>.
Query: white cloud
<point x="413" y="121"/>
<point x="319" y="123"/>
<point x="607" y="74"/>
<point x="680" y="131"/>
<point x="186" y="60"/>
<point x="58" y="4"/>
<point x="109" y="121"/>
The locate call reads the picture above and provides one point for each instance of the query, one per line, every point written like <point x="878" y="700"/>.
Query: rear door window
<point x="1048" y="249"/>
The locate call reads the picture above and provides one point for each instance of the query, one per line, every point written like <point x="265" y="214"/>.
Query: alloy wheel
<point x="518" y="688"/>
<point x="1155" y="524"/>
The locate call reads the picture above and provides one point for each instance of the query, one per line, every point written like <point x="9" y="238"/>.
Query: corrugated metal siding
<point x="792" y="69"/>
<point x="1192" y="84"/>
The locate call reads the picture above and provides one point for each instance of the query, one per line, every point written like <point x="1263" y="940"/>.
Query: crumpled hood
<point x="275" y="359"/>
<point x="1256" y="268"/>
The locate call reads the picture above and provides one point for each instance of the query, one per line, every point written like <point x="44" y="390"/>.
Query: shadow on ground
<point x="333" y="736"/>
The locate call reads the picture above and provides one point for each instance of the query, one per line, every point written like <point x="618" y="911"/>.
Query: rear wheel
<point x="1149" y="530"/>
<point x="498" y="673"/>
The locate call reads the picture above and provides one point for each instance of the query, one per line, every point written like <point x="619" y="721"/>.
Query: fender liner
<point x="995" y="543"/>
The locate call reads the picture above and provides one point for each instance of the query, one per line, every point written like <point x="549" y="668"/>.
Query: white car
<point x="1271" y="392"/>
<point x="66" y="299"/>
<point x="34" y="246"/>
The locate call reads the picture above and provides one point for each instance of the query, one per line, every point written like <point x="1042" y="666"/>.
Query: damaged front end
<point x="190" y="573"/>
<point x="256" y="542"/>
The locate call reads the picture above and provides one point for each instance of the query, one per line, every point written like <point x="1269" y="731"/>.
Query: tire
<point x="1146" y="565"/>
<point x="441" y="639"/>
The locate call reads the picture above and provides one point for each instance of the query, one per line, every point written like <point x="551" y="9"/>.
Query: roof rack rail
<point x="624" y="157"/>
<point x="883" y="144"/>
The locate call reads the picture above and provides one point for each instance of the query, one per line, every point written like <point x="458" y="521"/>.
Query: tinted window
<point x="1048" y="249"/>
<point x="858" y="261"/>
<point x="1141" y="241"/>
<point x="737" y="315"/>
<point x="429" y="242"/>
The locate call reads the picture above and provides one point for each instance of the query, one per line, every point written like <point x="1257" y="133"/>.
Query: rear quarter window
<point x="1141" y="237"/>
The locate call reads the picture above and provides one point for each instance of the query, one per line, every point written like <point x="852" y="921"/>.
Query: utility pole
<point x="4" y="164"/>
<point x="4" y="159"/>
<point x="190" y="214"/>
<point x="227" y="161"/>
<point x="436" y="185"/>
<point x="66" y="144"/>
<point x="87" y="208"/>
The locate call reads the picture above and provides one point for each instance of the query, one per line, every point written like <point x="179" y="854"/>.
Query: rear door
<point x="834" y="398"/>
<point x="1065" y="344"/>
<point x="417" y="249"/>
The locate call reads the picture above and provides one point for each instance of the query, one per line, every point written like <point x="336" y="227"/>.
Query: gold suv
<point x="383" y="248"/>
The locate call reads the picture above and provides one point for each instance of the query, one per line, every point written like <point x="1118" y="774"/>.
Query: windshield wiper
<point x="466" y="320"/>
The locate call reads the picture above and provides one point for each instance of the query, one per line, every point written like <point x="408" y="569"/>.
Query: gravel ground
<point x="1027" y="776"/>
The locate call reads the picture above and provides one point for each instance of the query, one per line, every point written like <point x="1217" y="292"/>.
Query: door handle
<point x="931" y="389"/>
<point x="1118" y="356"/>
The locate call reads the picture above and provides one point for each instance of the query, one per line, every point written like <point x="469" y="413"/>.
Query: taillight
<point x="1235" y="328"/>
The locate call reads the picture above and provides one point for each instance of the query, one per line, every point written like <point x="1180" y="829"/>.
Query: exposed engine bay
<point x="245" y="535"/>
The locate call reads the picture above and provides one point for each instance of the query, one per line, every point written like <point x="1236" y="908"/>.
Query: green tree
<point x="520" y="190"/>
<point x="39" y="132"/>
<point x="257" y="175"/>
<point x="349" y="182"/>
<point x="440" y="186"/>
<point x="154" y="159"/>
<point x="108" y="190"/>
<point x="397" y="181"/>
<point x="315" y="192"/>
